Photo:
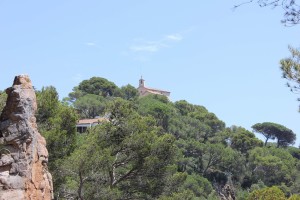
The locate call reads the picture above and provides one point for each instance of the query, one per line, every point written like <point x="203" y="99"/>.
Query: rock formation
<point x="23" y="153"/>
<point x="227" y="193"/>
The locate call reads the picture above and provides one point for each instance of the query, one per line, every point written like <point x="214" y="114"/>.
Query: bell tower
<point x="142" y="82"/>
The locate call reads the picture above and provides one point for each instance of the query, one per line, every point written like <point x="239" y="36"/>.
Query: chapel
<point x="144" y="91"/>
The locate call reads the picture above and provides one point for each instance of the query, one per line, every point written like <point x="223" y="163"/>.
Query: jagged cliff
<point x="23" y="153"/>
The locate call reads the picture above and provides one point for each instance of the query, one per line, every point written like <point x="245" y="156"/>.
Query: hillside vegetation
<point x="152" y="148"/>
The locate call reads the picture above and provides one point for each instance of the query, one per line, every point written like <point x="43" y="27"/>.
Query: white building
<point x="83" y="124"/>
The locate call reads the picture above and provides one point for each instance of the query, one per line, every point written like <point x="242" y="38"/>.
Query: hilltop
<point x="152" y="148"/>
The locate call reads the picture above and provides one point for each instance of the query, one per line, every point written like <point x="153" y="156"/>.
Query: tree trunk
<point x="266" y="141"/>
<point x="80" y="186"/>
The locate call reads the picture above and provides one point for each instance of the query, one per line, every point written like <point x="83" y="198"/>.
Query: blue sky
<point x="201" y="51"/>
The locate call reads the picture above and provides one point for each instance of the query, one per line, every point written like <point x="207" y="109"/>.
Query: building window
<point x="81" y="129"/>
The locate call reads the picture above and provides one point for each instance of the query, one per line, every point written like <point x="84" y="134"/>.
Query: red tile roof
<point x="91" y="121"/>
<point x="155" y="90"/>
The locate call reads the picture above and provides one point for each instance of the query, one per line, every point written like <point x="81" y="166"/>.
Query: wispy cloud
<point x="90" y="43"/>
<point x="142" y="49"/>
<point x="156" y="45"/>
<point x="147" y="47"/>
<point x="174" y="37"/>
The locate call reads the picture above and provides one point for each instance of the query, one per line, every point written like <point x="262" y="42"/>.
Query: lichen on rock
<point x="23" y="153"/>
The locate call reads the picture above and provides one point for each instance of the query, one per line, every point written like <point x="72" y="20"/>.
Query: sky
<point x="204" y="52"/>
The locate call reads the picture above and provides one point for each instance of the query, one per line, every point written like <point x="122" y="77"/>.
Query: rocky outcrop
<point x="23" y="153"/>
<point x="227" y="193"/>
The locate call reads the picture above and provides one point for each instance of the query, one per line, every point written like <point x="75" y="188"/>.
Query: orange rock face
<point x="23" y="154"/>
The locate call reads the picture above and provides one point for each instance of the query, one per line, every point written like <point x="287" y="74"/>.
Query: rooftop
<point x="91" y="121"/>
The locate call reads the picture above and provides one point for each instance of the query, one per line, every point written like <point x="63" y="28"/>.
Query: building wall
<point x="144" y="91"/>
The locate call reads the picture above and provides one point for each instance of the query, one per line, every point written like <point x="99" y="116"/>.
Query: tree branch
<point x="238" y="5"/>
<point x="127" y="174"/>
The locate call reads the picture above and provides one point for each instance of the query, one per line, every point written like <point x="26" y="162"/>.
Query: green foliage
<point x="184" y="195"/>
<point x="125" y="158"/>
<point x="213" y="161"/>
<point x="181" y="183"/>
<point x="98" y="86"/>
<point x="199" y="185"/>
<point x="215" y="125"/>
<point x="213" y="196"/>
<point x="271" y="130"/>
<point x="192" y="121"/>
<point x="291" y="14"/>
<point x="90" y="97"/>
<point x="271" y="193"/>
<point x="242" y="194"/>
<point x="151" y="148"/>
<point x="291" y="69"/>
<point x="157" y="106"/>
<point x="272" y="165"/>
<point x="61" y="135"/>
<point x="128" y="92"/>
<point x="185" y="127"/>
<point x="57" y="123"/>
<point x="90" y="105"/>
<point x="294" y="197"/>
<point x="257" y="186"/>
<point x="74" y="95"/>
<point x="243" y="140"/>
<point x="295" y="152"/>
<point x="285" y="189"/>
<point x="47" y="103"/>
<point x="215" y="156"/>
<point x="184" y="107"/>
<point x="95" y="85"/>
<point x="3" y="98"/>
